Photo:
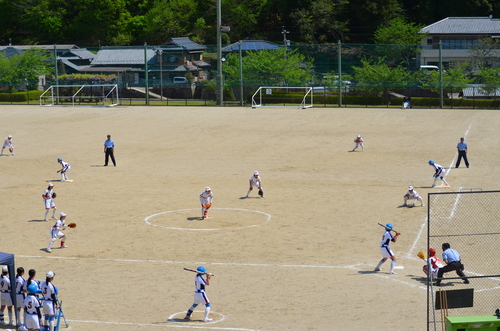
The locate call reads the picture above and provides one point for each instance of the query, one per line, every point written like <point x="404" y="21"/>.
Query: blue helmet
<point x="59" y="159"/>
<point x="201" y="269"/>
<point x="32" y="289"/>
<point x="388" y="226"/>
<point x="431" y="162"/>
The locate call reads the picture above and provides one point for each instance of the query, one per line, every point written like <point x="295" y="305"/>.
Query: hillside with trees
<point x="93" y="23"/>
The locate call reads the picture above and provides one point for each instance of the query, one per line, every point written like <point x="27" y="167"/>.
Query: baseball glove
<point x="72" y="225"/>
<point x="421" y="255"/>
<point x="260" y="192"/>
<point x="208" y="205"/>
<point x="54" y="195"/>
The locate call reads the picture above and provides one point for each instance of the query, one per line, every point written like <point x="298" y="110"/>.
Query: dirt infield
<point x="299" y="259"/>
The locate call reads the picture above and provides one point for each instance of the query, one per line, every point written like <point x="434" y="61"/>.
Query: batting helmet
<point x="388" y="226"/>
<point x="32" y="289"/>
<point x="59" y="159"/>
<point x="201" y="269"/>
<point x="432" y="251"/>
<point x="431" y="162"/>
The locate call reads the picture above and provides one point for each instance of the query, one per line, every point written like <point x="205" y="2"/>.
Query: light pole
<point x="159" y="52"/>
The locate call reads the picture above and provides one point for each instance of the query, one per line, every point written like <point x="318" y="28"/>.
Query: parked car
<point x="180" y="80"/>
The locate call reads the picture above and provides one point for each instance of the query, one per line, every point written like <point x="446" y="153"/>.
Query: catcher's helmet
<point x="32" y="289"/>
<point x="432" y="251"/>
<point x="59" y="159"/>
<point x="388" y="226"/>
<point x="445" y="246"/>
<point x="201" y="269"/>
<point x="431" y="162"/>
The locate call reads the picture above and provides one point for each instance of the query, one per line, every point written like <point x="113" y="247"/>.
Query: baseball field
<point x="302" y="258"/>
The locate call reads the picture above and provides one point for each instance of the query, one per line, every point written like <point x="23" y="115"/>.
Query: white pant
<point x="5" y="299"/>
<point x="386" y="252"/>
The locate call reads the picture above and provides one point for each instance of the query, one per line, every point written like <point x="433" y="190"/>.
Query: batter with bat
<point x="200" y="296"/>
<point x="386" y="251"/>
<point x="206" y="202"/>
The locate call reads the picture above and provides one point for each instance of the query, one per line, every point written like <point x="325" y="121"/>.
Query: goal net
<point x="84" y="95"/>
<point x="269" y="96"/>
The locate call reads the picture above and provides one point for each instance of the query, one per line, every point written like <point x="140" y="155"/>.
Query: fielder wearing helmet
<point x="431" y="162"/>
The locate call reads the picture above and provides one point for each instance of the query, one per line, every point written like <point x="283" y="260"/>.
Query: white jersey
<point x="47" y="194"/>
<point x="19" y="284"/>
<point x="4" y="284"/>
<point x="412" y="195"/>
<point x="199" y="283"/>
<point x="255" y="181"/>
<point x="31" y="303"/>
<point x="56" y="230"/>
<point x="65" y="166"/>
<point x="48" y="291"/>
<point x="206" y="197"/>
<point x="7" y="143"/>
<point x="439" y="170"/>
<point x="386" y="238"/>
<point x="358" y="140"/>
<point x="33" y="281"/>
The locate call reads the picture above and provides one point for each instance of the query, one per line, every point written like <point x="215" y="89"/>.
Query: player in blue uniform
<point x="440" y="173"/>
<point x="386" y="250"/>
<point x="200" y="297"/>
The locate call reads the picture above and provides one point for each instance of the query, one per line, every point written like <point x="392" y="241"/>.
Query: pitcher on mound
<point x="206" y="202"/>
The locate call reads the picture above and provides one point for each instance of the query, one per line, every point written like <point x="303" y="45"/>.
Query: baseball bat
<point x="192" y="270"/>
<point x="383" y="225"/>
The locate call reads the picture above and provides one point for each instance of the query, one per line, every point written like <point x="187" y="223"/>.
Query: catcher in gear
<point x="255" y="181"/>
<point x="433" y="261"/>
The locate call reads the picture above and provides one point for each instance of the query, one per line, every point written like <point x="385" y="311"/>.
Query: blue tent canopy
<point x="8" y="260"/>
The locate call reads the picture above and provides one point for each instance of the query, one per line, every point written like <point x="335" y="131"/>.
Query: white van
<point x="429" y="68"/>
<point x="180" y="80"/>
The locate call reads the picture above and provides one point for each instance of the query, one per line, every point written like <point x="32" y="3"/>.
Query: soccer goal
<point x="80" y="95"/>
<point x="272" y="96"/>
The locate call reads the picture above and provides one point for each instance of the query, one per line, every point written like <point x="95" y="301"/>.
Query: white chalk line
<point x="176" y="325"/>
<point x="147" y="220"/>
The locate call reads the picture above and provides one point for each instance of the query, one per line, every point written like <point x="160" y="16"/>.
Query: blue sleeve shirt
<point x="109" y="143"/>
<point x="451" y="255"/>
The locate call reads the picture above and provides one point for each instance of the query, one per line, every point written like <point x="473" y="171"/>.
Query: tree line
<point x="133" y="22"/>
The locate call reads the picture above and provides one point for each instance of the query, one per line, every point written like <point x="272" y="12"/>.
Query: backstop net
<point x="74" y="95"/>
<point x="469" y="222"/>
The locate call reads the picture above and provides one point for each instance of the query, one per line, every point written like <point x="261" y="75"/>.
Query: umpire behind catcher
<point x="452" y="259"/>
<point x="109" y="149"/>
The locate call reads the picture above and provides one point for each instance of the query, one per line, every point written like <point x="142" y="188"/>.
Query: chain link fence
<point x="468" y="221"/>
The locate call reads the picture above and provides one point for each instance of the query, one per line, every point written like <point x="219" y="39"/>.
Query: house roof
<point x="250" y="45"/>
<point x="186" y="43"/>
<point x="79" y="53"/>
<point x="123" y="56"/>
<point x="464" y="25"/>
<point x="11" y="51"/>
<point x="45" y="47"/>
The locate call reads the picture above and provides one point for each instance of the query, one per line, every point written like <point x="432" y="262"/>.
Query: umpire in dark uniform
<point x="462" y="153"/>
<point x="452" y="259"/>
<point x="109" y="148"/>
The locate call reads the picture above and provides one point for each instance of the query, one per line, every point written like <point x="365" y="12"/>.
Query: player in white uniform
<point x="20" y="293"/>
<point x="200" y="297"/>
<point x="49" y="203"/>
<point x="440" y="173"/>
<point x="8" y="144"/>
<point x="412" y="194"/>
<point x="32" y="313"/>
<point x="50" y="302"/>
<point x="5" y="298"/>
<point x="64" y="168"/>
<point x="359" y="142"/>
<point x="386" y="250"/>
<point x="255" y="181"/>
<point x="434" y="262"/>
<point x="206" y="202"/>
<point x="56" y="232"/>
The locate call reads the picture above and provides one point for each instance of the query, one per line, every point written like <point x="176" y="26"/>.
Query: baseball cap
<point x="108" y="135"/>
<point x="50" y="184"/>
<point x="9" y="136"/>
<point x="62" y="214"/>
<point x="5" y="269"/>
<point x="359" y="136"/>
<point x="207" y="189"/>
<point x="50" y="274"/>
<point x="460" y="138"/>
<point x="410" y="187"/>
<point x="255" y="172"/>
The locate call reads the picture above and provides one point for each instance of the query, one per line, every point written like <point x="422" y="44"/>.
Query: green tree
<point x="270" y="68"/>
<point x="25" y="67"/>
<point x="484" y="53"/>
<point x="454" y="79"/>
<point x="490" y="80"/>
<point x="399" y="40"/>
<point x="380" y="78"/>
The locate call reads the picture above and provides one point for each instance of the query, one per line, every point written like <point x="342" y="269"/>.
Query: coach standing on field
<point x="462" y="153"/>
<point x="109" y="149"/>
